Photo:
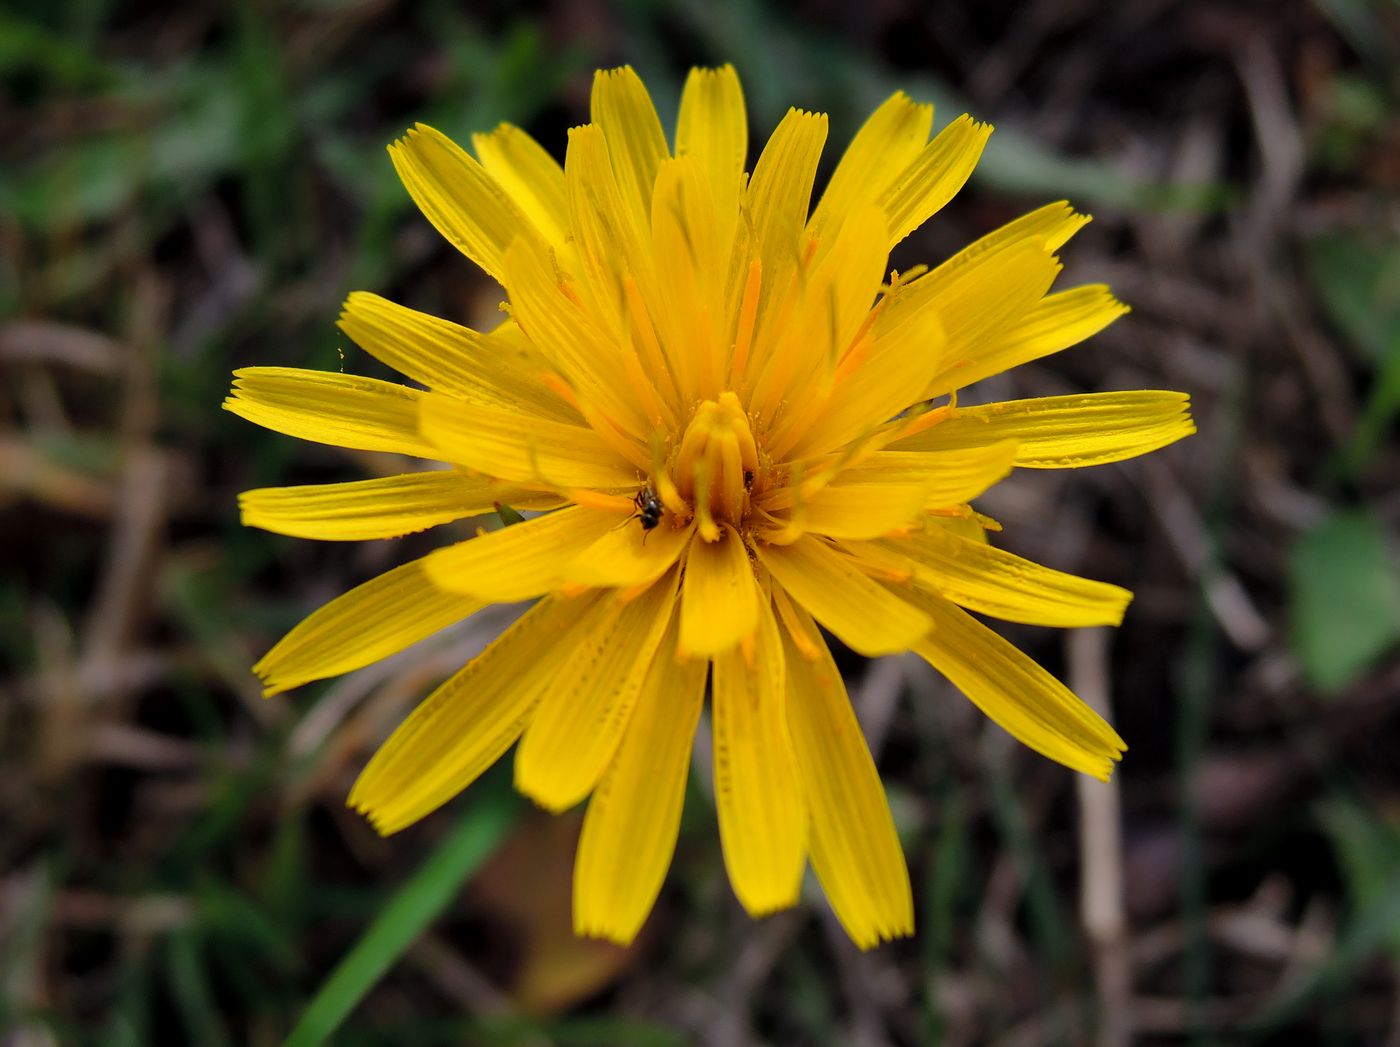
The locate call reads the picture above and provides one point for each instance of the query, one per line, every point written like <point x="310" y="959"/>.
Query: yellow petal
<point x="622" y="108"/>
<point x="1057" y="322"/>
<point x="864" y="510"/>
<point x="344" y="410"/>
<point x="1049" y="228"/>
<point x="845" y="284"/>
<point x="719" y="602"/>
<point x="890" y="140"/>
<point x="520" y="561"/>
<point x="758" y="791"/>
<point x="943" y="321"/>
<point x="976" y="303"/>
<point x="952" y="477"/>
<point x="530" y="177"/>
<point x="969" y="282"/>
<point x="627" y="556"/>
<point x="585" y="711"/>
<point x="519" y="447"/>
<point x="855" y="850"/>
<point x="1026" y="701"/>
<point x="454" y="192"/>
<point x="566" y="334"/>
<point x="797" y="376"/>
<point x="935" y="176"/>
<point x="499" y="369"/>
<point x="464" y="726"/>
<point x="981" y="294"/>
<point x="865" y="616"/>
<point x="609" y="233"/>
<point x="634" y="815"/>
<point x="713" y="127"/>
<point x="866" y="396"/>
<point x="780" y="193"/>
<point x="370" y="622"/>
<point x="1065" y="432"/>
<point x="385" y="507"/>
<point x="688" y="297"/>
<point x="993" y="581"/>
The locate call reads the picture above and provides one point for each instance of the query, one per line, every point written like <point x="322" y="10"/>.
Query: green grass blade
<point x="416" y="904"/>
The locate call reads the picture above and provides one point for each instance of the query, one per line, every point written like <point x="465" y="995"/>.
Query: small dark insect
<point x="648" y="508"/>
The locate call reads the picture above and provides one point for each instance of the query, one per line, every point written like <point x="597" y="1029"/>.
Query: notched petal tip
<point x="709" y="72"/>
<point x="1110" y="766"/>
<point x="271" y="688"/>
<point x="370" y="814"/>
<point x="867" y="938"/>
<point x="982" y="127"/>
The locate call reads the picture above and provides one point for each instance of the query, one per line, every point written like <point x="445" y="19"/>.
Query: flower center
<point x="717" y="465"/>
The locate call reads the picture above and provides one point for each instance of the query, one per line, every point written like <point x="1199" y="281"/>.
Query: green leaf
<point x="1367" y="847"/>
<point x="415" y="905"/>
<point x="1346" y="599"/>
<point x="27" y="45"/>
<point x="1377" y="414"/>
<point x="1359" y="285"/>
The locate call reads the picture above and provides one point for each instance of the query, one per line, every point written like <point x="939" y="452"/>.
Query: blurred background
<point x="189" y="188"/>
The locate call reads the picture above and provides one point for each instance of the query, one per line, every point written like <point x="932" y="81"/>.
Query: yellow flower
<point x="736" y="427"/>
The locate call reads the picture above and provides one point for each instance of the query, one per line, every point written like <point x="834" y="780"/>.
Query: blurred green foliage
<point x="1346" y="599"/>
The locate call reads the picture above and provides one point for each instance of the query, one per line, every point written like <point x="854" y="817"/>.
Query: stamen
<point x="693" y="446"/>
<point x="717" y="466"/>
<point x="665" y="489"/>
<point x="661" y="481"/>
<point x="704" y="519"/>
<point x="732" y="495"/>
<point x="729" y="403"/>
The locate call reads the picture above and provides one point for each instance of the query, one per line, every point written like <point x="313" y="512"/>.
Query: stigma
<point x="717" y="465"/>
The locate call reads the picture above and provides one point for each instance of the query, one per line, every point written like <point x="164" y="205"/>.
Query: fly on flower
<point x="649" y="509"/>
<point x="683" y="325"/>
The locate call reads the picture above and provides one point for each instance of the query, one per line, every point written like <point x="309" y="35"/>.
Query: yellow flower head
<point x="737" y="426"/>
